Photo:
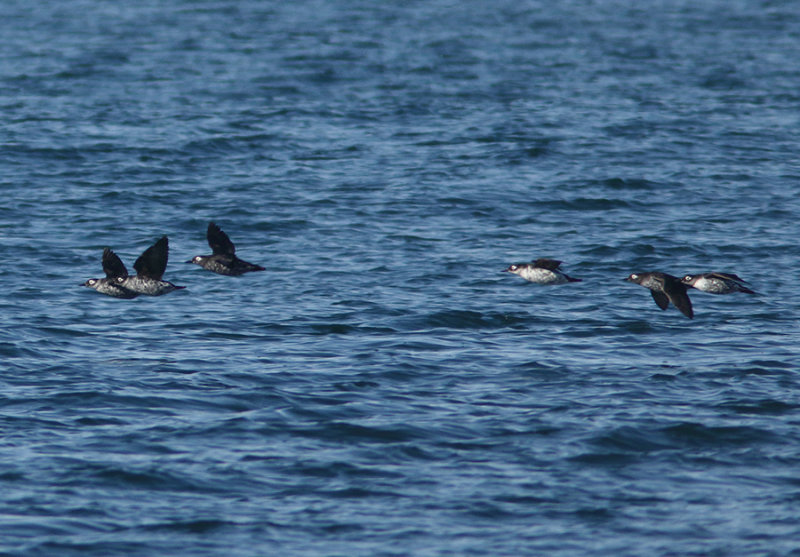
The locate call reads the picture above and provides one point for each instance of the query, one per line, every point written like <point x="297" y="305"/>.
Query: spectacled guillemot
<point x="115" y="271"/>
<point x="665" y="289"/>
<point x="223" y="260"/>
<point x="150" y="267"/>
<point x="717" y="283"/>
<point x="541" y="271"/>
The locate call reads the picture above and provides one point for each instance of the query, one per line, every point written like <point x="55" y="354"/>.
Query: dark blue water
<point x="382" y="388"/>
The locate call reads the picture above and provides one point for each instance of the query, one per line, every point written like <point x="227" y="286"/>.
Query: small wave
<point x="769" y="407"/>
<point x="16" y="350"/>
<point x="628" y="440"/>
<point x="690" y="434"/>
<point x="349" y="432"/>
<point x="723" y="79"/>
<point x="541" y="368"/>
<point x="333" y="328"/>
<point x="589" y="204"/>
<point x="189" y="526"/>
<point x="627" y="443"/>
<point x="467" y="319"/>
<point x="628" y="184"/>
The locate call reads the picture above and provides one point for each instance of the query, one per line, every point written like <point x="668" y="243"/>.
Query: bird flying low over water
<point x="541" y="271"/>
<point x="223" y="260"/>
<point x="665" y="289"/>
<point x="717" y="283"/>
<point x="115" y="271"/>
<point x="150" y="267"/>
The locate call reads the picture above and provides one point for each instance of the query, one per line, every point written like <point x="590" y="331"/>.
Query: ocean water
<point x="383" y="389"/>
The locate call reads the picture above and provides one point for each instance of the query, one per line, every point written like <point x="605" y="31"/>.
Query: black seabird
<point x="665" y="289"/>
<point x="115" y="272"/>
<point x="717" y="283"/>
<point x="223" y="260"/>
<point x="541" y="271"/>
<point x="150" y="267"/>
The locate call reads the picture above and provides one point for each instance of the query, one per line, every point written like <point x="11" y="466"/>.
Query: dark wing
<point x="153" y="262"/>
<point x="676" y="291"/>
<point x="113" y="265"/>
<point x="549" y="264"/>
<point x="219" y="241"/>
<point x="728" y="276"/>
<point x="662" y="300"/>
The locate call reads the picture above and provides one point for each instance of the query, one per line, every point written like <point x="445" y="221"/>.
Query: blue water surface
<point x="383" y="389"/>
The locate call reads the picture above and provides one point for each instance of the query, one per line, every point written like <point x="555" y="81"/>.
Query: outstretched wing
<point x="549" y="264"/>
<point x="729" y="276"/>
<point x="219" y="241"/>
<point x="676" y="291"/>
<point x="153" y="261"/>
<point x="662" y="300"/>
<point x="113" y="265"/>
